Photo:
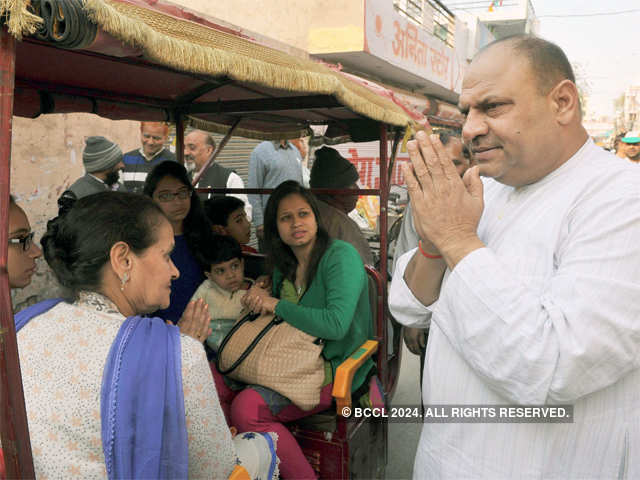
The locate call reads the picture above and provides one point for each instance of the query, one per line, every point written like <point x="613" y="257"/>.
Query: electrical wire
<point x="600" y="14"/>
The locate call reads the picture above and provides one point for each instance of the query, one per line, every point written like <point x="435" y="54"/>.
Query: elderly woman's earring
<point x="125" y="279"/>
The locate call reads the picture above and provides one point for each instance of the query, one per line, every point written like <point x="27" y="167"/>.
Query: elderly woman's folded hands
<point x="195" y="320"/>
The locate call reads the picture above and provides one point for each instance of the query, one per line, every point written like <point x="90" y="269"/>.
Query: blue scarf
<point x="144" y="433"/>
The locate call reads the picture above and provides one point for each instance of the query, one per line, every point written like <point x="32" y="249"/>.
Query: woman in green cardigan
<point x="319" y="286"/>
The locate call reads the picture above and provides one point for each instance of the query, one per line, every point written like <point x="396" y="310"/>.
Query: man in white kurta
<point x="542" y="304"/>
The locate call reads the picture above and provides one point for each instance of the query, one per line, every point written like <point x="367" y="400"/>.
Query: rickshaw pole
<point x="180" y="138"/>
<point x="14" y="430"/>
<point x="384" y="198"/>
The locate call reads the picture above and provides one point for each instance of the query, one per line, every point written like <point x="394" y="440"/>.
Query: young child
<point x="224" y="287"/>
<point x="228" y="217"/>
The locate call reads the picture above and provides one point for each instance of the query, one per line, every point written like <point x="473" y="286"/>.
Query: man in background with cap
<point x="618" y="147"/>
<point x="102" y="164"/>
<point x="632" y="145"/>
<point x="331" y="170"/>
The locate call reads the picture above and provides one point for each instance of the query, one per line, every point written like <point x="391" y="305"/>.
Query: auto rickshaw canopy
<point x="142" y="60"/>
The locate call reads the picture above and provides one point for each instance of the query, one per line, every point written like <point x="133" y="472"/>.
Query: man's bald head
<point x="547" y="61"/>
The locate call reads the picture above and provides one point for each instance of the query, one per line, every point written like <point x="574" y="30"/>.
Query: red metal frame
<point x="14" y="430"/>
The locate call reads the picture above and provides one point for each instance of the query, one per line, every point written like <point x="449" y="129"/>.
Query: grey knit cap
<point x="100" y="154"/>
<point x="332" y="170"/>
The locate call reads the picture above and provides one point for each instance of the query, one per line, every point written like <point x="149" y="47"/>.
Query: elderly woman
<point x="109" y="392"/>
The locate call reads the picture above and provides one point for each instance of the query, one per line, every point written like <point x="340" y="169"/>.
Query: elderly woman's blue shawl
<point x="144" y="433"/>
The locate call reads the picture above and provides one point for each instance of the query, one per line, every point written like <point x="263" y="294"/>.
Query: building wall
<point x="632" y="108"/>
<point x="308" y="25"/>
<point x="46" y="157"/>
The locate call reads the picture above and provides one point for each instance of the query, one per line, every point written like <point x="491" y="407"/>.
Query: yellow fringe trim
<point x="20" y="21"/>
<point x="191" y="47"/>
<point x="222" y="129"/>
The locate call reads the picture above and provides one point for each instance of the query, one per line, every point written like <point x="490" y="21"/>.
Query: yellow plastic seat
<point x="346" y="370"/>
<point x="239" y="473"/>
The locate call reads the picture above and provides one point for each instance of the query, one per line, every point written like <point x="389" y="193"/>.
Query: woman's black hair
<point x="222" y="248"/>
<point x="77" y="244"/>
<point x="279" y="254"/>
<point x="195" y="226"/>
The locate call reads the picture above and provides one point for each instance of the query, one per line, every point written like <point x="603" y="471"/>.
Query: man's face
<point x="455" y="152"/>
<point x="509" y="127"/>
<point x="633" y="151"/>
<point x="152" y="138"/>
<point x="621" y="149"/>
<point x="196" y="149"/>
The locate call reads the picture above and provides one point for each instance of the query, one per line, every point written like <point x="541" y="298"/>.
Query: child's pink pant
<point x="248" y="412"/>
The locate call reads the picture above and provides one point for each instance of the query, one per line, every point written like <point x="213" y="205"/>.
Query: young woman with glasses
<point x="21" y="260"/>
<point x="169" y="186"/>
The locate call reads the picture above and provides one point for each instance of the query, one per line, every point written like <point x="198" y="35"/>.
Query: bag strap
<point x="250" y="317"/>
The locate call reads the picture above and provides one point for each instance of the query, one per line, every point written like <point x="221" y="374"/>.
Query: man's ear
<point x="120" y="257"/>
<point x="219" y="229"/>
<point x="565" y="102"/>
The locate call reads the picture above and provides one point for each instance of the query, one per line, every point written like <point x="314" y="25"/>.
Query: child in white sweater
<point x="224" y="287"/>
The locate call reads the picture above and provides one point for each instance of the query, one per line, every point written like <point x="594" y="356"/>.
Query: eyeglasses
<point x="169" y="196"/>
<point x="25" y="241"/>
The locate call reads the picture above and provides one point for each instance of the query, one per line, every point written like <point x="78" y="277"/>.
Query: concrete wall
<point x="46" y="157"/>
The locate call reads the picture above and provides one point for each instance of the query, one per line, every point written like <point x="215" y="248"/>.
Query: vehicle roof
<point x="130" y="60"/>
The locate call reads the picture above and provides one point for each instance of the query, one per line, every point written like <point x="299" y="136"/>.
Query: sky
<point x="607" y="47"/>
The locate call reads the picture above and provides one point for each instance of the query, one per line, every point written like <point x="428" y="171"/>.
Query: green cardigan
<point x="335" y="306"/>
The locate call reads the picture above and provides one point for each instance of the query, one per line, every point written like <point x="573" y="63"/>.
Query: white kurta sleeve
<point x="577" y="333"/>
<point x="234" y="181"/>
<point x="211" y="450"/>
<point x="404" y="306"/>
